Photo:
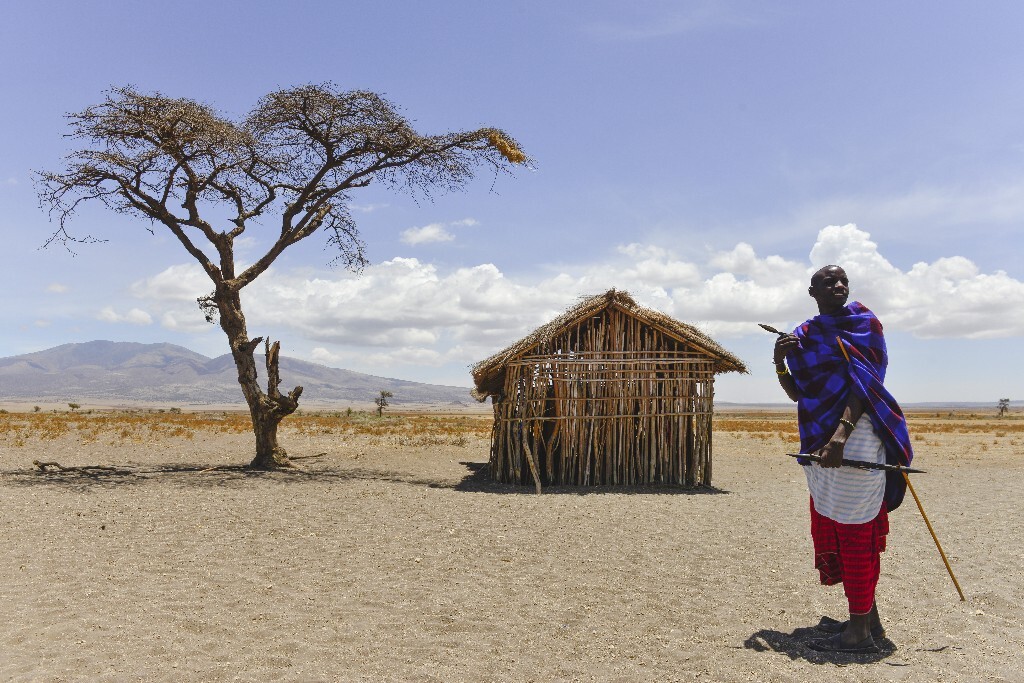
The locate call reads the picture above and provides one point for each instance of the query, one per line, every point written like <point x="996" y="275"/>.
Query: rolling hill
<point x="154" y="373"/>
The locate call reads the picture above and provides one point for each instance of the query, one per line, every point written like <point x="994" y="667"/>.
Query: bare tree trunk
<point x="266" y="409"/>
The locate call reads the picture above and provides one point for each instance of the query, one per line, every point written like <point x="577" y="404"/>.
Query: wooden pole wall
<point x="611" y="401"/>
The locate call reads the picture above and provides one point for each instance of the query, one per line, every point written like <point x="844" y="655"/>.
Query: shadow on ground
<point x="794" y="646"/>
<point x="479" y="481"/>
<point x="476" y="480"/>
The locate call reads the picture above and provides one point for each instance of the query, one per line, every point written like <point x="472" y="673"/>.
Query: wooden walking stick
<point x="934" y="537"/>
<point x="842" y="347"/>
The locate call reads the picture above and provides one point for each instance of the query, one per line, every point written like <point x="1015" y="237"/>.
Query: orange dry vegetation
<point x="137" y="426"/>
<point x="784" y="424"/>
<point x="405" y="430"/>
<point x="132" y="426"/>
<point x="763" y="426"/>
<point x="965" y="423"/>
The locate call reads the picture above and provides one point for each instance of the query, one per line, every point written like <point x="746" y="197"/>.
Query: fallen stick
<point x="85" y="469"/>
<point x="307" y="457"/>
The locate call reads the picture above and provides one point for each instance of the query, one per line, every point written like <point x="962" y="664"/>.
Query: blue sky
<point x="705" y="156"/>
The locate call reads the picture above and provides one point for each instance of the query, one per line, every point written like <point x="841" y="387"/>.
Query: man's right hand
<point x="783" y="345"/>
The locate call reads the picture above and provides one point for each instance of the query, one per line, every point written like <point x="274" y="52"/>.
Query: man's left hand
<point x="832" y="454"/>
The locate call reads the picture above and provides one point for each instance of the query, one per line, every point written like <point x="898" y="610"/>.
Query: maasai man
<point x="836" y="366"/>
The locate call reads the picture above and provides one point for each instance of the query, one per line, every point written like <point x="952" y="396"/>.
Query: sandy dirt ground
<point x="388" y="558"/>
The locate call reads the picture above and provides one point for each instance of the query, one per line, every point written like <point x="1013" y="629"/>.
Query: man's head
<point x="830" y="288"/>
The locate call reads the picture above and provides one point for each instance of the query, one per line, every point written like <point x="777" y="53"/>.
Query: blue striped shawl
<point x="840" y="353"/>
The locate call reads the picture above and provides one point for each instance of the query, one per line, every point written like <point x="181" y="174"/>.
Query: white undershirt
<point x="850" y="495"/>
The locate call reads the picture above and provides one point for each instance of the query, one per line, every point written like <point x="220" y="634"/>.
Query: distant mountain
<point x="111" y="371"/>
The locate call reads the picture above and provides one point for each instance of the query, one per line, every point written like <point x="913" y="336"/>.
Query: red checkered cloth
<point x="849" y="554"/>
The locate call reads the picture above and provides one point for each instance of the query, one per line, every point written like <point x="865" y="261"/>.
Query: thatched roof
<point x="486" y="371"/>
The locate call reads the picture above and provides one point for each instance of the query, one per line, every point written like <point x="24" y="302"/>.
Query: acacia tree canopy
<point x="287" y="167"/>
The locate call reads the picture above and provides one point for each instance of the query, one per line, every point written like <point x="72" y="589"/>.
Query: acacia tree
<point x="1004" y="406"/>
<point x="288" y="167"/>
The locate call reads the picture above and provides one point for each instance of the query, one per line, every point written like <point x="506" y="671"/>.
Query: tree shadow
<point x="794" y="646"/>
<point x="192" y="475"/>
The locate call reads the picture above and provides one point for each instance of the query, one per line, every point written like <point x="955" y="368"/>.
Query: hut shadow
<point x="794" y="646"/>
<point x="478" y="480"/>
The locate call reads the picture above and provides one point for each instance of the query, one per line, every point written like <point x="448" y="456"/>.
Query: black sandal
<point x="834" y="643"/>
<point x="832" y="626"/>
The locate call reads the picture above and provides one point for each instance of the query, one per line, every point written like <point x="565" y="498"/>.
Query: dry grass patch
<point x="763" y="426"/>
<point x="119" y="427"/>
<point x="922" y="425"/>
<point x="140" y="426"/>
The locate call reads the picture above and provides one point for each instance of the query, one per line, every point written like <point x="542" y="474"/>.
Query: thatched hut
<point x="609" y="393"/>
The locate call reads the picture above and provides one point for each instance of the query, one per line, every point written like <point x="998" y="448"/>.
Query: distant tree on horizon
<point x="291" y="162"/>
<point x="1004" y="406"/>
<point x="382" y="401"/>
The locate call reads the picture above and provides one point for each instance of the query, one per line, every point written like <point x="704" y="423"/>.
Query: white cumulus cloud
<point x="949" y="297"/>
<point x="367" y="208"/>
<point x="409" y="311"/>
<point x="434" y="232"/>
<point x="184" y="281"/>
<point x="186" y="319"/>
<point x="134" y="316"/>
<point x="322" y="355"/>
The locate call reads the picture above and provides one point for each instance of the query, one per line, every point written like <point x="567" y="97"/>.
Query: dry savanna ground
<point x="389" y="557"/>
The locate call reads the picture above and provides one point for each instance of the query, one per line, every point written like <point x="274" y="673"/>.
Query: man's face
<point x="830" y="288"/>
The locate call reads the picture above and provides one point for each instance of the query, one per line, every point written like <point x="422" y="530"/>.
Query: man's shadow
<point x="794" y="646"/>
